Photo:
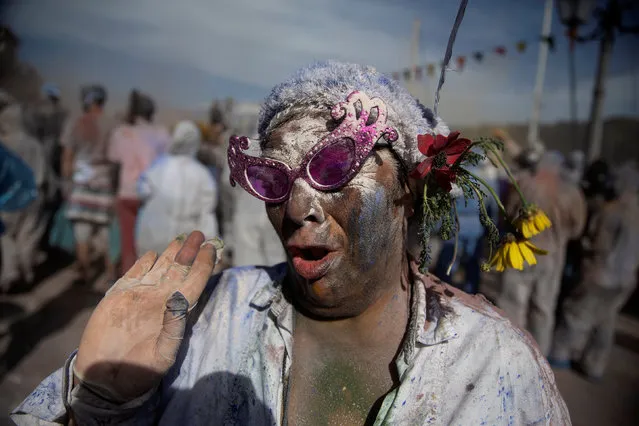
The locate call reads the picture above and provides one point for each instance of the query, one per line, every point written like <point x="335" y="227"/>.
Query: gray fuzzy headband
<point x="325" y="84"/>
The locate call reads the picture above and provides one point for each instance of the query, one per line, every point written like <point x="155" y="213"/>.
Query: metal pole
<point x="533" y="128"/>
<point x="595" y="127"/>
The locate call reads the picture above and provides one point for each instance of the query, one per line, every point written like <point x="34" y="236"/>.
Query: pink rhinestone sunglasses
<point x="329" y="165"/>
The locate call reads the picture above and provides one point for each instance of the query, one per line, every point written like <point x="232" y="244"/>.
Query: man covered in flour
<point x="346" y="332"/>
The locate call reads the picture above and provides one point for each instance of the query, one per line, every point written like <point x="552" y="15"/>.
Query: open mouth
<point x="310" y="253"/>
<point x="312" y="262"/>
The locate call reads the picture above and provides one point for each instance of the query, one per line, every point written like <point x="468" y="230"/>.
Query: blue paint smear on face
<point x="372" y="209"/>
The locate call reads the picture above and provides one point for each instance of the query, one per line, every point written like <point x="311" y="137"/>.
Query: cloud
<point x="251" y="42"/>
<point x="186" y="52"/>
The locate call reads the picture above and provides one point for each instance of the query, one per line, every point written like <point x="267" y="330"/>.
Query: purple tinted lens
<point x="330" y="165"/>
<point x="268" y="181"/>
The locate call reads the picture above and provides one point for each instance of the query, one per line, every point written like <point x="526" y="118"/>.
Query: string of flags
<point x="417" y="73"/>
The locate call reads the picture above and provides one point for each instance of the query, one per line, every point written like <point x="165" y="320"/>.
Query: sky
<point x="187" y="52"/>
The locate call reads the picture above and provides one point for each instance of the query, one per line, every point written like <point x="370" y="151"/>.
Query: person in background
<point x="85" y="165"/>
<point x="572" y="172"/>
<point x="17" y="184"/>
<point x="179" y="194"/>
<point x="25" y="227"/>
<point x="45" y="120"/>
<point x="574" y="166"/>
<point x="586" y="329"/>
<point x="212" y="154"/>
<point x="470" y="243"/>
<point x="134" y="146"/>
<point x="529" y="297"/>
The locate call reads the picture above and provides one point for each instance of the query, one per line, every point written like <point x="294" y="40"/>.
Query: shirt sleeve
<point x="527" y="383"/>
<point x="51" y="401"/>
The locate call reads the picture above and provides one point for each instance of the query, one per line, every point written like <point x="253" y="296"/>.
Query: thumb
<point x="173" y="328"/>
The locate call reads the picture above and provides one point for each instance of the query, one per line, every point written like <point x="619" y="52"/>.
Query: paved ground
<point x="39" y="328"/>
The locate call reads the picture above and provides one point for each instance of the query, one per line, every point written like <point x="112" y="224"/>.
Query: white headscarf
<point x="186" y="139"/>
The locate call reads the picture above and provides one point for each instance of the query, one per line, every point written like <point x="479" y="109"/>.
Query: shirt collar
<point x="433" y="313"/>
<point x="431" y="319"/>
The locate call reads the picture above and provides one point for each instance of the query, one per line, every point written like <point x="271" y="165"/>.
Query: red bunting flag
<point x="418" y="72"/>
<point x="571" y="33"/>
<point x="500" y="50"/>
<point x="461" y="61"/>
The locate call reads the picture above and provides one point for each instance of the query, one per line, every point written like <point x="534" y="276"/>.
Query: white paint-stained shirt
<point x="462" y="363"/>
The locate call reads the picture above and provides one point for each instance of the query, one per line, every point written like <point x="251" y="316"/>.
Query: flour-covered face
<point x="341" y="244"/>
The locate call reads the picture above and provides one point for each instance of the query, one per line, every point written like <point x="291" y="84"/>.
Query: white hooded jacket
<point x="179" y="194"/>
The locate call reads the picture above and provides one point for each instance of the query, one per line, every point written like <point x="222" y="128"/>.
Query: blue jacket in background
<point x="17" y="183"/>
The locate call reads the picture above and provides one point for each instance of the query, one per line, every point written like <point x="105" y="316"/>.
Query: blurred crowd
<point x="107" y="192"/>
<point x="115" y="190"/>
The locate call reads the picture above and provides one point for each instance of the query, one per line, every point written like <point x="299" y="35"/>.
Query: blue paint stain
<point x="366" y="225"/>
<point x="404" y="403"/>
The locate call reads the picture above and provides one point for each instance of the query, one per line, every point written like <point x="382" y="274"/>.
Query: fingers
<point x="180" y="268"/>
<point x="163" y="264"/>
<point x="190" y="249"/>
<point x="200" y="273"/>
<point x="173" y="328"/>
<point x="142" y="266"/>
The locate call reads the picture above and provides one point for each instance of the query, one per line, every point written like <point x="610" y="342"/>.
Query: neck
<point x="384" y="321"/>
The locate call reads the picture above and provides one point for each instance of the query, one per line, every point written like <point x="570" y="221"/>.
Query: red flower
<point x="447" y="150"/>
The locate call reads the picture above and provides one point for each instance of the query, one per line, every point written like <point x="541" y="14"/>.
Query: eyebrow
<point x="275" y="139"/>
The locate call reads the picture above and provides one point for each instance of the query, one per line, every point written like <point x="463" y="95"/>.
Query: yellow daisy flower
<point x="513" y="253"/>
<point x="532" y="222"/>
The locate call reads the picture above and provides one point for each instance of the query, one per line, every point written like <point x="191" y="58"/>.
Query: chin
<point x="322" y="298"/>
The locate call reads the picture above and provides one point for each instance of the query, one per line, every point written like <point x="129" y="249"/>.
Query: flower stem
<point x="452" y="262"/>
<point x="484" y="212"/>
<point x="510" y="176"/>
<point x="491" y="190"/>
<point x="463" y="154"/>
<point x="424" y="254"/>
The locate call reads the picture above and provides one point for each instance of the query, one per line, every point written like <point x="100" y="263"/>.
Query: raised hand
<point x="135" y="332"/>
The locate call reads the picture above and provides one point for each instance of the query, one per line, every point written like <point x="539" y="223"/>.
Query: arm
<point x="129" y="344"/>
<point x="605" y="233"/>
<point x="578" y="214"/>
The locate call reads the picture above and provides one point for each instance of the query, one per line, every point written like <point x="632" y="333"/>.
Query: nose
<point x="304" y="204"/>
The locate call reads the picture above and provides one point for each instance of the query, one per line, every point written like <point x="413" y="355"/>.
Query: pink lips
<point x="312" y="263"/>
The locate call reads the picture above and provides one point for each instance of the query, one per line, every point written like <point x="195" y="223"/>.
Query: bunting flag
<point x="551" y="42"/>
<point x="521" y="46"/>
<point x="571" y="33"/>
<point x="418" y="73"/>
<point x="430" y="69"/>
<point x="461" y="61"/>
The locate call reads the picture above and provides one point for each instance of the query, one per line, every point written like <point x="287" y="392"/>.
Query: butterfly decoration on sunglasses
<point x="329" y="165"/>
